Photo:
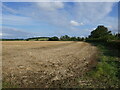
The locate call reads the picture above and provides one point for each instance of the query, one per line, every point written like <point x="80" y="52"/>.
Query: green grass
<point x="8" y="85"/>
<point x="107" y="72"/>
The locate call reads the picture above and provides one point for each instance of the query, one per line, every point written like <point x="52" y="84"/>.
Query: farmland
<point x="45" y="63"/>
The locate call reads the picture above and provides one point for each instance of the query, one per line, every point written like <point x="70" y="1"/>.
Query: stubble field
<point x="44" y="64"/>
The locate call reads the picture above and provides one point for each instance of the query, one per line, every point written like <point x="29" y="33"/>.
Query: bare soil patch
<point x="43" y="64"/>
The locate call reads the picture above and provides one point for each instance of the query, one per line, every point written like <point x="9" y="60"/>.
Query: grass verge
<point x="107" y="72"/>
<point x="7" y="85"/>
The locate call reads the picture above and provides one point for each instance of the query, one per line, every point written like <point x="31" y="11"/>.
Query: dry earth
<point x="45" y="63"/>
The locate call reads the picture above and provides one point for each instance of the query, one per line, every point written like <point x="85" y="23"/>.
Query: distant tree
<point x="73" y="39"/>
<point x="65" y="38"/>
<point x="78" y="39"/>
<point x="86" y="38"/>
<point x="53" y="38"/>
<point x="27" y="39"/>
<point x="36" y="39"/>
<point x="82" y="39"/>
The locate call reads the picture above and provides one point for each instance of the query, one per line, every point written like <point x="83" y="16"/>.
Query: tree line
<point x="65" y="38"/>
<point x="101" y="33"/>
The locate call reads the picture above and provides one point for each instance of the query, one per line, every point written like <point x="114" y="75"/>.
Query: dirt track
<point x="45" y="63"/>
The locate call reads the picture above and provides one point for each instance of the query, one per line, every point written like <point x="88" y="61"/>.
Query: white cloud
<point x="50" y="6"/>
<point x="16" y="20"/>
<point x="74" y="23"/>
<point x="63" y="14"/>
<point x="10" y="10"/>
<point x="91" y="12"/>
<point x="87" y="12"/>
<point x="0" y="34"/>
<point x="9" y="32"/>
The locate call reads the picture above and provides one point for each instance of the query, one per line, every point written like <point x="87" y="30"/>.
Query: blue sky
<point x="31" y="19"/>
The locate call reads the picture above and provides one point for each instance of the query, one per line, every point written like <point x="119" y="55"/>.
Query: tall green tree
<point x="99" y="32"/>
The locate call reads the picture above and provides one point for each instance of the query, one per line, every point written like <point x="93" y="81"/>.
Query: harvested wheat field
<point x="43" y="64"/>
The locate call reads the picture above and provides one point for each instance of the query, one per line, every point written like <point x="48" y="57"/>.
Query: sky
<point x="33" y="19"/>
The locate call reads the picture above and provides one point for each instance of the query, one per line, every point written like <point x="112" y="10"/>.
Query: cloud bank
<point x="67" y="16"/>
